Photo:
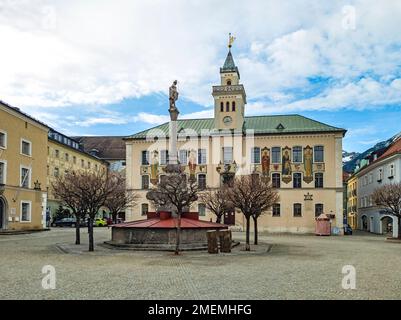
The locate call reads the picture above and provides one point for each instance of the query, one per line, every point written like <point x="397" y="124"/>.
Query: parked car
<point x="99" y="222"/>
<point x="347" y="230"/>
<point x="67" y="222"/>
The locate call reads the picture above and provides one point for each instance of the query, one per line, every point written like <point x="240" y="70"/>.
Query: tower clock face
<point x="227" y="120"/>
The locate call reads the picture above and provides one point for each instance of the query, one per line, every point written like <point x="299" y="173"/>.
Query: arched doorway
<point x="365" y="223"/>
<point x="387" y="225"/>
<point x="2" y="213"/>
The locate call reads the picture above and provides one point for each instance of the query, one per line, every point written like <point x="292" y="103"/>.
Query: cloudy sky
<point x="99" y="67"/>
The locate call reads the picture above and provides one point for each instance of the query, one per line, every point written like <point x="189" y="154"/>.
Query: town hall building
<point x="301" y="157"/>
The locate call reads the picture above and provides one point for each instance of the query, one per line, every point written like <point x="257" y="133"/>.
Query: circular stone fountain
<point x="158" y="232"/>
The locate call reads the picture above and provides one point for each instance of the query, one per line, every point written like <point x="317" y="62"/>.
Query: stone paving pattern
<point x="283" y="267"/>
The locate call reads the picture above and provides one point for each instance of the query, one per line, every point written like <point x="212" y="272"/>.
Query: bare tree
<point x="66" y="188"/>
<point x="119" y="199"/>
<point x="389" y="198"/>
<point x="176" y="193"/>
<point x="217" y="202"/>
<point x="252" y="196"/>
<point x="86" y="192"/>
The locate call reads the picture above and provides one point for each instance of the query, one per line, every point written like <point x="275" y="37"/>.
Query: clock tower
<point x="229" y="96"/>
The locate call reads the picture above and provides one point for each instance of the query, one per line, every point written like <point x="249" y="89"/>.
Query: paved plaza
<point x="283" y="267"/>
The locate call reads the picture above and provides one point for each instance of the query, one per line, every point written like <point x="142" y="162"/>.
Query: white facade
<point x="370" y="217"/>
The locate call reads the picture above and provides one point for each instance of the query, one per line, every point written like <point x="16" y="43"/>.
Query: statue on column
<point x="173" y="97"/>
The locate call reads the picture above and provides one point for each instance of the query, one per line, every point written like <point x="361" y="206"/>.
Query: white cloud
<point x="150" y="118"/>
<point x="62" y="53"/>
<point x="93" y="121"/>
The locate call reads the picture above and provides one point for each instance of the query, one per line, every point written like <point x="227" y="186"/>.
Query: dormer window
<point x="233" y="106"/>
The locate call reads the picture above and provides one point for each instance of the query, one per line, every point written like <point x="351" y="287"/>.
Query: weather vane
<point x="230" y="40"/>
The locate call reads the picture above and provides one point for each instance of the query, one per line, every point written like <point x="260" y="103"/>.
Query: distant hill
<point x="352" y="159"/>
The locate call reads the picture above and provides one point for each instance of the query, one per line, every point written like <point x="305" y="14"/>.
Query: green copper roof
<point x="229" y="64"/>
<point x="262" y="125"/>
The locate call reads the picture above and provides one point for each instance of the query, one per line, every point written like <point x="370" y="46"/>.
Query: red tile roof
<point x="393" y="149"/>
<point x="171" y="224"/>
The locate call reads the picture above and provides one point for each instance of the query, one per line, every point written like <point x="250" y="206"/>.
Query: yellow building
<point x="65" y="154"/>
<point x="301" y="157"/>
<point x="23" y="158"/>
<point x="352" y="201"/>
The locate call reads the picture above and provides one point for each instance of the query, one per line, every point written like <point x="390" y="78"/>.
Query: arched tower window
<point x="227" y="106"/>
<point x="233" y="106"/>
<point x="229" y="82"/>
<point x="222" y="106"/>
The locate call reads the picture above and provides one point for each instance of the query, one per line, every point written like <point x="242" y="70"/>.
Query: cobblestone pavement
<point x="293" y="267"/>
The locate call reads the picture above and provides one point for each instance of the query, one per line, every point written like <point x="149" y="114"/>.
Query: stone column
<point x="173" y="142"/>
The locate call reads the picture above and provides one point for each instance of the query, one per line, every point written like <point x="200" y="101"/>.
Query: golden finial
<point x="230" y="40"/>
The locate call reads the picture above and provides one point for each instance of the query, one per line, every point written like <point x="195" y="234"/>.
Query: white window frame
<point x="5" y="171"/>
<point x="199" y="154"/>
<point x="165" y="158"/>
<point x="30" y="211"/>
<point x="232" y="155"/>
<point x="318" y="145"/>
<point x="391" y="170"/>
<point x="29" y="176"/>
<point x="186" y="152"/>
<point x="279" y="157"/>
<point x="30" y="147"/>
<point x="302" y="154"/>
<point x="5" y="139"/>
<point x="253" y="155"/>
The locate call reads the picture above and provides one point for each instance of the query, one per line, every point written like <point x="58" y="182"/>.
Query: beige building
<point x="23" y="158"/>
<point x="301" y="157"/>
<point x="352" y="201"/>
<point x="65" y="154"/>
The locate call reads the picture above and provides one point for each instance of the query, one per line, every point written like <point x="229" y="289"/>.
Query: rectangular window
<point x="297" y="180"/>
<point x="371" y="178"/>
<point x="145" y="158"/>
<point x="201" y="210"/>
<point x="318" y="209"/>
<point x="25" y="211"/>
<point x="297" y="154"/>
<point x="25" y="177"/>
<point x="74" y="159"/>
<point x="56" y="172"/>
<point x="67" y="157"/>
<point x="380" y="175"/>
<point x="297" y="210"/>
<point x="163" y="157"/>
<point x="3" y="172"/>
<point x="57" y="153"/>
<point x="145" y="182"/>
<point x="26" y="148"/>
<point x="319" y="180"/>
<point x="276" y="155"/>
<point x="3" y="139"/>
<point x="318" y="154"/>
<point x="276" y="180"/>
<point x="391" y="171"/>
<point x="202" y="181"/>
<point x="144" y="209"/>
<point x="255" y="155"/>
<point x="183" y="157"/>
<point x="227" y="154"/>
<point x="276" y="210"/>
<point x="82" y="163"/>
<point x="202" y="156"/>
